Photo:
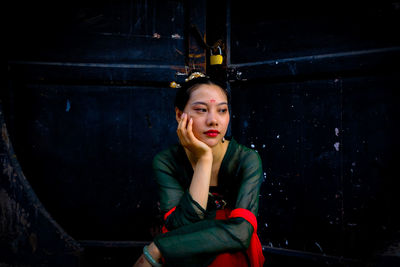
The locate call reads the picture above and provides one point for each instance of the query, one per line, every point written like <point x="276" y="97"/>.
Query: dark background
<point x="87" y="105"/>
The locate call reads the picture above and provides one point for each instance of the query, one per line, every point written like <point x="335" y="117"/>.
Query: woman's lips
<point x="212" y="133"/>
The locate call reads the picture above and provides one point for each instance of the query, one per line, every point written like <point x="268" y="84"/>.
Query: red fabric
<point x="255" y="250"/>
<point x="237" y="259"/>
<point x="169" y="213"/>
<point x="164" y="229"/>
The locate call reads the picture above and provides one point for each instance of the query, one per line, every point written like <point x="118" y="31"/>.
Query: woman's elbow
<point x="246" y="241"/>
<point x="245" y="234"/>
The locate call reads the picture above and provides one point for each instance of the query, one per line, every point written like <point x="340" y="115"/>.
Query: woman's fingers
<point x="187" y="137"/>
<point x="189" y="125"/>
<point x="182" y="131"/>
<point x="185" y="132"/>
<point x="190" y="134"/>
<point x="181" y="121"/>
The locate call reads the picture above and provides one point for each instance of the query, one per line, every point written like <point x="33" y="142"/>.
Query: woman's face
<point x="208" y="106"/>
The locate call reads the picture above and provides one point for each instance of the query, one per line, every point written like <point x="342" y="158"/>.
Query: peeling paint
<point x="196" y="55"/>
<point x="68" y="106"/>
<point x="336" y="145"/>
<point x="14" y="218"/>
<point x="5" y="135"/>
<point x="176" y="36"/>
<point x="319" y="246"/>
<point x="336" y="131"/>
<point x="7" y="168"/>
<point x="293" y="68"/>
<point x="33" y="241"/>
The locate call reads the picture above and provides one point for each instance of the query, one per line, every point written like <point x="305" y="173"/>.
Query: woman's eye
<point x="223" y="110"/>
<point x="200" y="109"/>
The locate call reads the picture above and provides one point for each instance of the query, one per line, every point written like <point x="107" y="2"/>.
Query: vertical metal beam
<point x="196" y="53"/>
<point x="228" y="33"/>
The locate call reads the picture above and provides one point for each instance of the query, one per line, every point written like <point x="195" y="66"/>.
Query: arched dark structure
<point x="29" y="235"/>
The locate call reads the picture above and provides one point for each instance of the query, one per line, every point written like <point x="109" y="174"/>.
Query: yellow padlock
<point x="216" y="59"/>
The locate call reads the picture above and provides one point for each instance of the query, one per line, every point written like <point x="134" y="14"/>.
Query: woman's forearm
<point x="154" y="253"/>
<point x="200" y="184"/>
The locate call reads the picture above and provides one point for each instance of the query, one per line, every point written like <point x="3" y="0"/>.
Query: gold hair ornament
<point x="174" y="85"/>
<point x="192" y="76"/>
<point x="195" y="75"/>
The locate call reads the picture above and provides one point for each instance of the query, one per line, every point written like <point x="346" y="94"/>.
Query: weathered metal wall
<point x="315" y="91"/>
<point x="329" y="185"/>
<point x="88" y="105"/>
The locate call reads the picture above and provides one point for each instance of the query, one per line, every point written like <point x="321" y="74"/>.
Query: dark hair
<point x="183" y="93"/>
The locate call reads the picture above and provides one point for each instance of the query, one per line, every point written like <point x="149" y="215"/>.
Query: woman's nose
<point x="211" y="119"/>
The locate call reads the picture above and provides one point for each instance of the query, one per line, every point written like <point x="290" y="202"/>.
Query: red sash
<point x="254" y="250"/>
<point x="237" y="259"/>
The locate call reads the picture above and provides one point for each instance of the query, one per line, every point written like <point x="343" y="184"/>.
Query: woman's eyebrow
<point x="204" y="103"/>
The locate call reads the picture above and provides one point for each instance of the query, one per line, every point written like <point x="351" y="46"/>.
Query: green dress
<point x="195" y="238"/>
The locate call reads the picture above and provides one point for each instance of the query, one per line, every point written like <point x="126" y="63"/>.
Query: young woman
<point x="208" y="187"/>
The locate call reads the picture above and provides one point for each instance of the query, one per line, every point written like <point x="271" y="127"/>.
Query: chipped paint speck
<point x="336" y="145"/>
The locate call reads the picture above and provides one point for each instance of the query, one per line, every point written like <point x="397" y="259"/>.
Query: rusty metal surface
<point x="196" y="53"/>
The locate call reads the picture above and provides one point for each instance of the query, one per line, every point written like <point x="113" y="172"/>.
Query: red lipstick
<point x="212" y="133"/>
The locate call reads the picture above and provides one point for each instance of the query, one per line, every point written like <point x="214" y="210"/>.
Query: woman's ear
<point x="178" y="114"/>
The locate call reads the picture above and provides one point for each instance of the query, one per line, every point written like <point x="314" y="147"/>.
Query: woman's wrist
<point x="206" y="158"/>
<point x="154" y="252"/>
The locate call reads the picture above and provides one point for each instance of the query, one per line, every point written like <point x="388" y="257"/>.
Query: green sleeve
<point x="198" y="243"/>
<point x="172" y="195"/>
<point x="252" y="173"/>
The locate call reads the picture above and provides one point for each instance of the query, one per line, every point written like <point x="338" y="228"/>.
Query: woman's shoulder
<point x="168" y="156"/>
<point x="171" y="150"/>
<point x="243" y="152"/>
<point x="241" y="158"/>
<point x="243" y="162"/>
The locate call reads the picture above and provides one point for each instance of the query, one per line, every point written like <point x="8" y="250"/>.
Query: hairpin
<point x="195" y="75"/>
<point x="192" y="76"/>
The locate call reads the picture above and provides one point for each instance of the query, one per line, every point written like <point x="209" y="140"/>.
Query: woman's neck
<point x="218" y="152"/>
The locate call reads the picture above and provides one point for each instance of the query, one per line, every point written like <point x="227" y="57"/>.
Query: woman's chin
<point x="212" y="142"/>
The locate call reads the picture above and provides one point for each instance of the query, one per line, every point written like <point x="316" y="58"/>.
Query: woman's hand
<point x="155" y="254"/>
<point x="189" y="141"/>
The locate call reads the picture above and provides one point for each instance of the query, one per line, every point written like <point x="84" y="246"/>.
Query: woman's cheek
<point x="195" y="129"/>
